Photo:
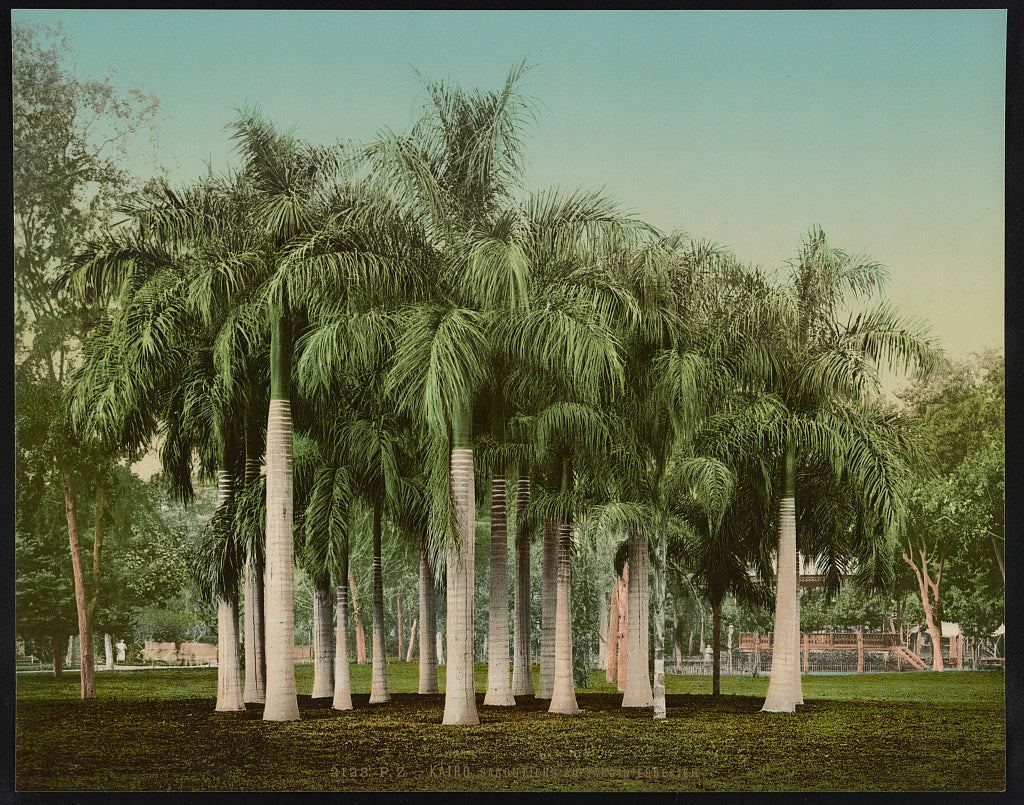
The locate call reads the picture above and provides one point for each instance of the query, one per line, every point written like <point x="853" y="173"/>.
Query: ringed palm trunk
<point x="660" y="710"/>
<point x="459" y="695"/>
<point x="379" y="674"/>
<point x="428" y="626"/>
<point x="323" y="643"/>
<point x="611" y="665"/>
<point x="548" y="602"/>
<point x="255" y="638"/>
<point x="499" y="690"/>
<point x="88" y="674"/>
<point x="282" y="702"/>
<point x="563" y="694"/>
<point x="638" y="691"/>
<point x="622" y="637"/>
<point x="522" y="669"/>
<point x="784" y="685"/>
<point x="342" y="682"/>
<point x="716" y="647"/>
<point x="229" y="666"/>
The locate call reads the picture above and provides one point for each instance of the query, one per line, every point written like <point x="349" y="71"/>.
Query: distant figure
<point x="121" y="648"/>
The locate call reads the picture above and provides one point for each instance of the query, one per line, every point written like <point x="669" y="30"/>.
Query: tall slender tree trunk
<point x="255" y="635"/>
<point x="677" y="651"/>
<point x="611" y="665"/>
<point x="860" y="649"/>
<point x="108" y="651"/>
<point x="229" y="666"/>
<point x="499" y="689"/>
<point x="400" y="625"/>
<point x="97" y="552"/>
<point x="563" y="693"/>
<point x="282" y="702"/>
<point x="522" y="668"/>
<point x="379" y="673"/>
<point x="412" y="639"/>
<point x="357" y="621"/>
<point x="57" y="645"/>
<point x="638" y="691"/>
<point x="622" y="641"/>
<point x="784" y="685"/>
<point x="88" y="686"/>
<point x="716" y="648"/>
<point x="658" y="693"/>
<point x="459" y="694"/>
<point x="324" y="641"/>
<point x="602" y="630"/>
<point x="428" y="628"/>
<point x="549" y="569"/>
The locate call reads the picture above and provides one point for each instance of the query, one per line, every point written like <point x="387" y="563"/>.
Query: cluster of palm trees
<point x="411" y="322"/>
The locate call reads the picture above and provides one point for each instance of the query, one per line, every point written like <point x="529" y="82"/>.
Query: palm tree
<point x="823" y="373"/>
<point x="522" y="673"/>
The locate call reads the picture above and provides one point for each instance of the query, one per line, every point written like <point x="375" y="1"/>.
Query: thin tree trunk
<point x="638" y="691"/>
<point x="412" y="639"/>
<point x="323" y="643"/>
<point x="88" y="686"/>
<point x="716" y="648"/>
<point x="547" y="611"/>
<point x="660" y="708"/>
<point x="602" y="631"/>
<point x="97" y="551"/>
<point x="929" y="595"/>
<point x="522" y="669"/>
<point x="677" y="651"/>
<point x="783" y="692"/>
<point x="56" y="644"/>
<point x="622" y="640"/>
<point x="428" y="628"/>
<point x="499" y="689"/>
<point x="860" y="649"/>
<point x="108" y="652"/>
<point x="563" y="693"/>
<point x="282" y="703"/>
<point x="612" y="658"/>
<point x="459" y="693"/>
<point x="69" y="659"/>
<point x="255" y="634"/>
<point x="999" y="558"/>
<point x="379" y="675"/>
<point x="400" y="626"/>
<point x="342" y="681"/>
<point x="357" y="622"/>
<point x="689" y="645"/>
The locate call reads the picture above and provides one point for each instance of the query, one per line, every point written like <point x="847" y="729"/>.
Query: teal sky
<point x="743" y="128"/>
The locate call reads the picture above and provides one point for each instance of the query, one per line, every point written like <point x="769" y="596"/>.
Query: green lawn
<point x="157" y="730"/>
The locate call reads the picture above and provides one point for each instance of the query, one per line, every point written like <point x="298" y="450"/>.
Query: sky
<point x="886" y="128"/>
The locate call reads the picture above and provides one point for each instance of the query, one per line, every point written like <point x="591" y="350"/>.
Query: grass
<point x="157" y="730"/>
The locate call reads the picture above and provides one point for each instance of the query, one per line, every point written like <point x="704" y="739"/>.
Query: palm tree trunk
<point x="658" y="693"/>
<point x="379" y="674"/>
<point x="548" y="602"/>
<point x="716" y="648"/>
<point x="342" y="681"/>
<point x="563" y="693"/>
<point x="459" y="694"/>
<point x="255" y="655"/>
<point x="323" y="643"/>
<point x="400" y="626"/>
<point x="428" y="627"/>
<point x="282" y="702"/>
<point x="784" y="685"/>
<point x="255" y="635"/>
<point x="522" y="669"/>
<point x="860" y="649"/>
<point x="602" y="630"/>
<point x="638" y="691"/>
<point x="88" y="672"/>
<point x="677" y="651"/>
<point x="357" y="622"/>
<point x="612" y="656"/>
<point x="622" y="639"/>
<point x="412" y="639"/>
<point x="229" y="667"/>
<point x="499" y="690"/>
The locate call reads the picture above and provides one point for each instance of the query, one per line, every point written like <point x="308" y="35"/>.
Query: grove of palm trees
<point x="392" y="352"/>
